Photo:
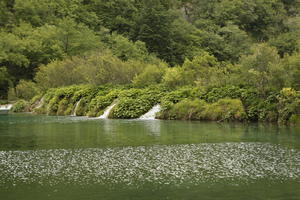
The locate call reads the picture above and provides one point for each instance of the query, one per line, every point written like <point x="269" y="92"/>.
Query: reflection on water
<point x="45" y="132"/>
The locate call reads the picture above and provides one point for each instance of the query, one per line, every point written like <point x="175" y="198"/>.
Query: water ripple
<point x="176" y="164"/>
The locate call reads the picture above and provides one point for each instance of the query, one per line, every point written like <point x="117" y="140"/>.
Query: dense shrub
<point x="151" y="75"/>
<point x="186" y="110"/>
<point x="46" y="99"/>
<point x="230" y="103"/>
<point x="261" y="69"/>
<point x="99" y="103"/>
<point x="289" y="105"/>
<point x="26" y="90"/>
<point x="125" y="49"/>
<point x="294" y="119"/>
<point x="60" y="73"/>
<point x="223" y="92"/>
<point x="256" y="107"/>
<point x="225" y="110"/>
<point x="129" y="108"/>
<point x="61" y="101"/>
<point x="135" y="102"/>
<point x="222" y="110"/>
<point x="11" y="94"/>
<point x="85" y="96"/>
<point x="5" y="82"/>
<point x="20" y="106"/>
<point x="173" y="97"/>
<point x="95" y="68"/>
<point x="175" y="77"/>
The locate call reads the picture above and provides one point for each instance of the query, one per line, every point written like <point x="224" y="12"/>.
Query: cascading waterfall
<point x="6" y="107"/>
<point x="150" y="115"/>
<point x="41" y="102"/>
<point x="75" y="108"/>
<point x="107" y="111"/>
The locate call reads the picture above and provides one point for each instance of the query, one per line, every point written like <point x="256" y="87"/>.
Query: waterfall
<point x="107" y="111"/>
<point x="41" y="102"/>
<point x="151" y="113"/>
<point x="75" y="108"/>
<point x="6" y="107"/>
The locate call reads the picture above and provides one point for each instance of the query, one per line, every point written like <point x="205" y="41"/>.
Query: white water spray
<point x="150" y="115"/>
<point x="41" y="102"/>
<point x="75" y="108"/>
<point x="6" y="107"/>
<point x="107" y="111"/>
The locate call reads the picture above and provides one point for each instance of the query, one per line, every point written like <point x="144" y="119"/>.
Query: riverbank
<point x="229" y="103"/>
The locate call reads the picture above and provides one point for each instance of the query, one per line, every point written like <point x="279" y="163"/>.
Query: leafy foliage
<point x="199" y="59"/>
<point x="20" y="106"/>
<point x="222" y="110"/>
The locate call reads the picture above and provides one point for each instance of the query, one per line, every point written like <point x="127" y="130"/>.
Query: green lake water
<point x="46" y="157"/>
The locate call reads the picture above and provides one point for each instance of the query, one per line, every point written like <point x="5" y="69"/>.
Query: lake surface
<point x="44" y="157"/>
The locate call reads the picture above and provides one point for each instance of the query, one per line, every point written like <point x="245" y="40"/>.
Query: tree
<point x="5" y="13"/>
<point x="226" y="43"/>
<point x="23" y="50"/>
<point x="291" y="66"/>
<point x="260" y="18"/>
<point x="262" y="69"/>
<point x="41" y="12"/>
<point x="5" y="83"/>
<point x="116" y="15"/>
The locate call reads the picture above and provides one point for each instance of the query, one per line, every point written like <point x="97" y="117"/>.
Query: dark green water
<point x="43" y="157"/>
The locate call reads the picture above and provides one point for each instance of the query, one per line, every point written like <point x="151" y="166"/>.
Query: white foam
<point x="6" y="107"/>
<point x="107" y="111"/>
<point x="75" y="108"/>
<point x="41" y="102"/>
<point x="150" y="115"/>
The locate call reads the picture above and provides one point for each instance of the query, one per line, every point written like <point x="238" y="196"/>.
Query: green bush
<point x="128" y="108"/>
<point x="5" y="82"/>
<point x="96" y="68"/>
<point x="215" y="94"/>
<point x="62" y="101"/>
<point x="173" y="97"/>
<point x="83" y="106"/>
<point x="99" y="103"/>
<point x="46" y="98"/>
<point x="225" y="110"/>
<point x="133" y="103"/>
<point x="26" y="90"/>
<point x="222" y="110"/>
<point x="11" y="94"/>
<point x="64" y="107"/>
<point x="289" y="105"/>
<point x="256" y="107"/>
<point x="230" y="103"/>
<point x="187" y="110"/>
<point x="58" y="101"/>
<point x="175" y="77"/>
<point x="125" y="49"/>
<point x="152" y="74"/>
<point x="294" y="119"/>
<point x="20" y="106"/>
